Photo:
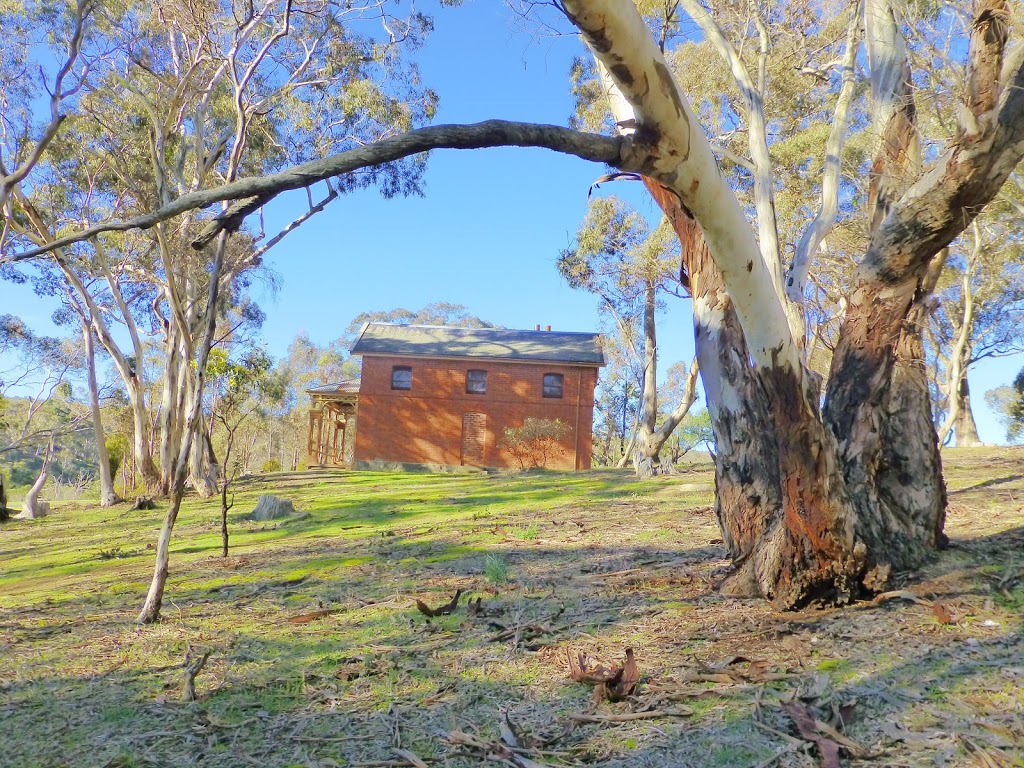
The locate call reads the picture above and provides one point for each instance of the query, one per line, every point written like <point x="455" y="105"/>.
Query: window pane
<point x="401" y="377"/>
<point x="476" y="382"/>
<point x="553" y="384"/>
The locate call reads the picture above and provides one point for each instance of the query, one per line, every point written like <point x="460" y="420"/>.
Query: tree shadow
<point x="987" y="484"/>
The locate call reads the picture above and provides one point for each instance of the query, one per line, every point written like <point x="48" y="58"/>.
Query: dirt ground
<point x="316" y="653"/>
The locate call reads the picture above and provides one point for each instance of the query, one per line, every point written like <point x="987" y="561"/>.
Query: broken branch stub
<point x="444" y="610"/>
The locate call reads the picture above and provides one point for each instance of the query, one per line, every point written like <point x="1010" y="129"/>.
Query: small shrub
<point x="532" y="444"/>
<point x="495" y="569"/>
<point x="271" y="466"/>
<point x="116" y="553"/>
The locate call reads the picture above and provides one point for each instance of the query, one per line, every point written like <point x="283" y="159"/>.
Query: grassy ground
<point x="319" y="656"/>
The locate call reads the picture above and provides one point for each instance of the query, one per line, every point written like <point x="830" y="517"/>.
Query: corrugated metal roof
<point x="349" y="386"/>
<point x="489" y="343"/>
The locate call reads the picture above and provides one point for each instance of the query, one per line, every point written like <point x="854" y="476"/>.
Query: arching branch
<point x="252" y="192"/>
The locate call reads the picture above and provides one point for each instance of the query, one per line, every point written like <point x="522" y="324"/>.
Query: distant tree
<point x="437" y="313"/>
<point x="693" y="432"/>
<point x="632" y="269"/>
<point x="50" y="413"/>
<point x="978" y="311"/>
<point x="617" y="406"/>
<point x="1008" y="404"/>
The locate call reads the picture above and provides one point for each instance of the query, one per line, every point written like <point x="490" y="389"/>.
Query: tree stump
<point x="4" y="512"/>
<point x="34" y="509"/>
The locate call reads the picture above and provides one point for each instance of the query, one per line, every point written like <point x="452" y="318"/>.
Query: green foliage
<point x="616" y="256"/>
<point x="536" y="441"/>
<point x="118" y="449"/>
<point x="273" y="465"/>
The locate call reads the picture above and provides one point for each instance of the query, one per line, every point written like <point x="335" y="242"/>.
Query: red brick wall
<point x="425" y="424"/>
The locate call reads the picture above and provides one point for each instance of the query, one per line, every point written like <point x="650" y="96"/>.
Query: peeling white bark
<point x="757" y="135"/>
<point x="825" y="218"/>
<point x="681" y="158"/>
<point x="887" y="57"/>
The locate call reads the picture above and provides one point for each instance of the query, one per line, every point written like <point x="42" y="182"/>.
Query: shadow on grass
<point x="987" y="484"/>
<point x="82" y="685"/>
<point x="339" y="689"/>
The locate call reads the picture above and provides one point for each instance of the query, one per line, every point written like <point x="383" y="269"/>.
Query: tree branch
<point x="825" y="219"/>
<point x="617" y="152"/>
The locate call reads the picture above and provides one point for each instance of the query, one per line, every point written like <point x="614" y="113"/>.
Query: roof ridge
<point x="473" y="328"/>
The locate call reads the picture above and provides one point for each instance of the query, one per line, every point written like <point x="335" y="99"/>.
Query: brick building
<point x="443" y="396"/>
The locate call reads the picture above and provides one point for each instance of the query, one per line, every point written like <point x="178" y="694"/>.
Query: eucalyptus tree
<point x="631" y="270"/>
<point x="617" y="397"/>
<point x="816" y="503"/>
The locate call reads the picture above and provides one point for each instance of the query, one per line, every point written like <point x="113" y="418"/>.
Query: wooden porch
<point x="332" y="408"/>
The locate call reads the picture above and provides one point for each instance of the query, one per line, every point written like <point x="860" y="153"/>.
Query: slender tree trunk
<point x="4" y="511"/>
<point x="108" y="497"/>
<point x="650" y="437"/>
<point x="225" y="481"/>
<point x="645" y="457"/>
<point x="154" y="598"/>
<point x="224" y="518"/>
<point x="960" y="355"/>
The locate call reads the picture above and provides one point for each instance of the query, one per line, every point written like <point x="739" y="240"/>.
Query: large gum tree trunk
<point x="842" y="521"/>
<point x="781" y="505"/>
<point x="964" y="427"/>
<point x="891" y="449"/>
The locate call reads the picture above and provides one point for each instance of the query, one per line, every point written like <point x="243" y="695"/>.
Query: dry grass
<point x="319" y="656"/>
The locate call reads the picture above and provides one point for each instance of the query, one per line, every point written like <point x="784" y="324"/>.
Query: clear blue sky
<point x="492" y="223"/>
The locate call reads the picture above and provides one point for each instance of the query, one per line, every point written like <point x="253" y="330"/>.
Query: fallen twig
<point x="305" y="618"/>
<point x="792" y="741"/>
<point x="411" y="758"/>
<point x="782" y="752"/>
<point x="627" y="716"/>
<point x="901" y="594"/>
